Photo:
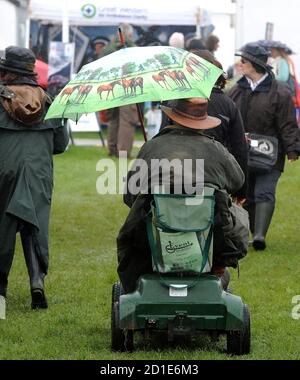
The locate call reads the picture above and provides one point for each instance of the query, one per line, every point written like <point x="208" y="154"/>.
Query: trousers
<point x="121" y="127"/>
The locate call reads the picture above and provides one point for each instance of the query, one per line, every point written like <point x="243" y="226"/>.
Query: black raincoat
<point x="269" y="110"/>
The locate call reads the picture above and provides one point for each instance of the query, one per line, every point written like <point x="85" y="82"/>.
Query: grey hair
<point x="127" y="30"/>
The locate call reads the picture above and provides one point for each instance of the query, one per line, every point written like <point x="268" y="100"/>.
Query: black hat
<point x="100" y="40"/>
<point x="18" y="60"/>
<point x="255" y="53"/>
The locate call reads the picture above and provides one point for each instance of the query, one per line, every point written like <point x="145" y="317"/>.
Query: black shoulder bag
<point x="262" y="152"/>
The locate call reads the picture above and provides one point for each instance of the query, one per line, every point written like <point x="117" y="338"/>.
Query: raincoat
<point x="26" y="167"/>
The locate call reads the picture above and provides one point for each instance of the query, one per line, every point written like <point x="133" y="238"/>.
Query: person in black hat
<point x="97" y="44"/>
<point x="267" y="110"/>
<point x="27" y="144"/>
<point x="186" y="139"/>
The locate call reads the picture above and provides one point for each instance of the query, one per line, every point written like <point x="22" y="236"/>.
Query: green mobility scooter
<point x="180" y="297"/>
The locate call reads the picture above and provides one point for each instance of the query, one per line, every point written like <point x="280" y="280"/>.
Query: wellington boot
<point x="35" y="271"/>
<point x="38" y="299"/>
<point x="263" y="216"/>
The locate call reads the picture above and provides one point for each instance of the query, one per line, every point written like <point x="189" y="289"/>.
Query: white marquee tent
<point x="143" y="12"/>
<point x="109" y="12"/>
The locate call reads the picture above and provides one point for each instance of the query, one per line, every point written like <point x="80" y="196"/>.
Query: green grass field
<point x="84" y="226"/>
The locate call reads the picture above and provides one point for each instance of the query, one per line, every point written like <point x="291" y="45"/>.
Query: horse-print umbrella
<point x="135" y="75"/>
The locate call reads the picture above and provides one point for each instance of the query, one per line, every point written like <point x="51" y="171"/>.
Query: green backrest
<point x="185" y="213"/>
<point x="180" y="231"/>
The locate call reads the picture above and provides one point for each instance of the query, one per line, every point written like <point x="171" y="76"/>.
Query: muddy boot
<point x="263" y="216"/>
<point x="35" y="271"/>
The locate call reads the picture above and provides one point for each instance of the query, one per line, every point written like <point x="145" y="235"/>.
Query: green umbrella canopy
<point x="135" y="75"/>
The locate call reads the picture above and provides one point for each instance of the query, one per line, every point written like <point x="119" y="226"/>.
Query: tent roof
<point x="142" y="12"/>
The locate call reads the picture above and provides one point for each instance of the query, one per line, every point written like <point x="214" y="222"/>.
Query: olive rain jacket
<point x="269" y="110"/>
<point x="173" y="142"/>
<point x="26" y="167"/>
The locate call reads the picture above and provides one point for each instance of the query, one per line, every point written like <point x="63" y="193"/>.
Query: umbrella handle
<point x="141" y="118"/>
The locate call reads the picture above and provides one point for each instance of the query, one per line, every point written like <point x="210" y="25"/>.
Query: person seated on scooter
<point x="186" y="139"/>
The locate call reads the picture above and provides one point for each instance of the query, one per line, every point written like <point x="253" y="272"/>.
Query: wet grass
<point x="84" y="226"/>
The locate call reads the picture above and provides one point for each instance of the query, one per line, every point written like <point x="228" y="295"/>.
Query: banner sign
<point x="83" y="12"/>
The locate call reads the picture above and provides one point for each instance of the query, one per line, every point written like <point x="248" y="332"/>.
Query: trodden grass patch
<point x="84" y="226"/>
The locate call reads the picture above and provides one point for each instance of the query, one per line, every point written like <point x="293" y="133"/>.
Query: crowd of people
<point x="258" y="106"/>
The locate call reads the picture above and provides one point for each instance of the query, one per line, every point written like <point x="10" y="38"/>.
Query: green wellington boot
<point x="36" y="274"/>
<point x="263" y="216"/>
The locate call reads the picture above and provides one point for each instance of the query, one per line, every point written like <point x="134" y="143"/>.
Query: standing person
<point x="177" y="40"/>
<point x="267" y="109"/>
<point x="230" y="132"/>
<point x="121" y="120"/>
<point x="153" y="117"/>
<point x="280" y="64"/>
<point x="27" y="144"/>
<point x="195" y="43"/>
<point x="234" y="73"/>
<point x="285" y="72"/>
<point x="98" y="44"/>
<point x="212" y="43"/>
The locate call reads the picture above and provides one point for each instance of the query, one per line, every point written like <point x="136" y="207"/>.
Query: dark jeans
<point x="262" y="187"/>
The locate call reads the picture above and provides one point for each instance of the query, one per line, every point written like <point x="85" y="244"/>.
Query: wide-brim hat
<point x="191" y="115"/>
<point x="255" y="53"/>
<point x="18" y="60"/>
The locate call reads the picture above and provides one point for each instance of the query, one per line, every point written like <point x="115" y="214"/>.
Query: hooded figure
<point x="186" y="139"/>
<point x="27" y="144"/>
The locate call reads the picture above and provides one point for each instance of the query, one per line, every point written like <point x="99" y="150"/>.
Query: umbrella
<point x="41" y="68"/>
<point x="135" y="75"/>
<point x="268" y="44"/>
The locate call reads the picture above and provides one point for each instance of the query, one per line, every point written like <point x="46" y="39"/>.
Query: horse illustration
<point x="192" y="72"/>
<point x="109" y="87"/>
<point x="192" y="61"/>
<point x="160" y="78"/>
<point x="179" y="78"/>
<point x="67" y="92"/>
<point x="127" y="85"/>
<point x="83" y="92"/>
<point x="138" y="82"/>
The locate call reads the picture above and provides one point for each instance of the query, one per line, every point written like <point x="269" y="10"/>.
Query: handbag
<point x="262" y="152"/>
